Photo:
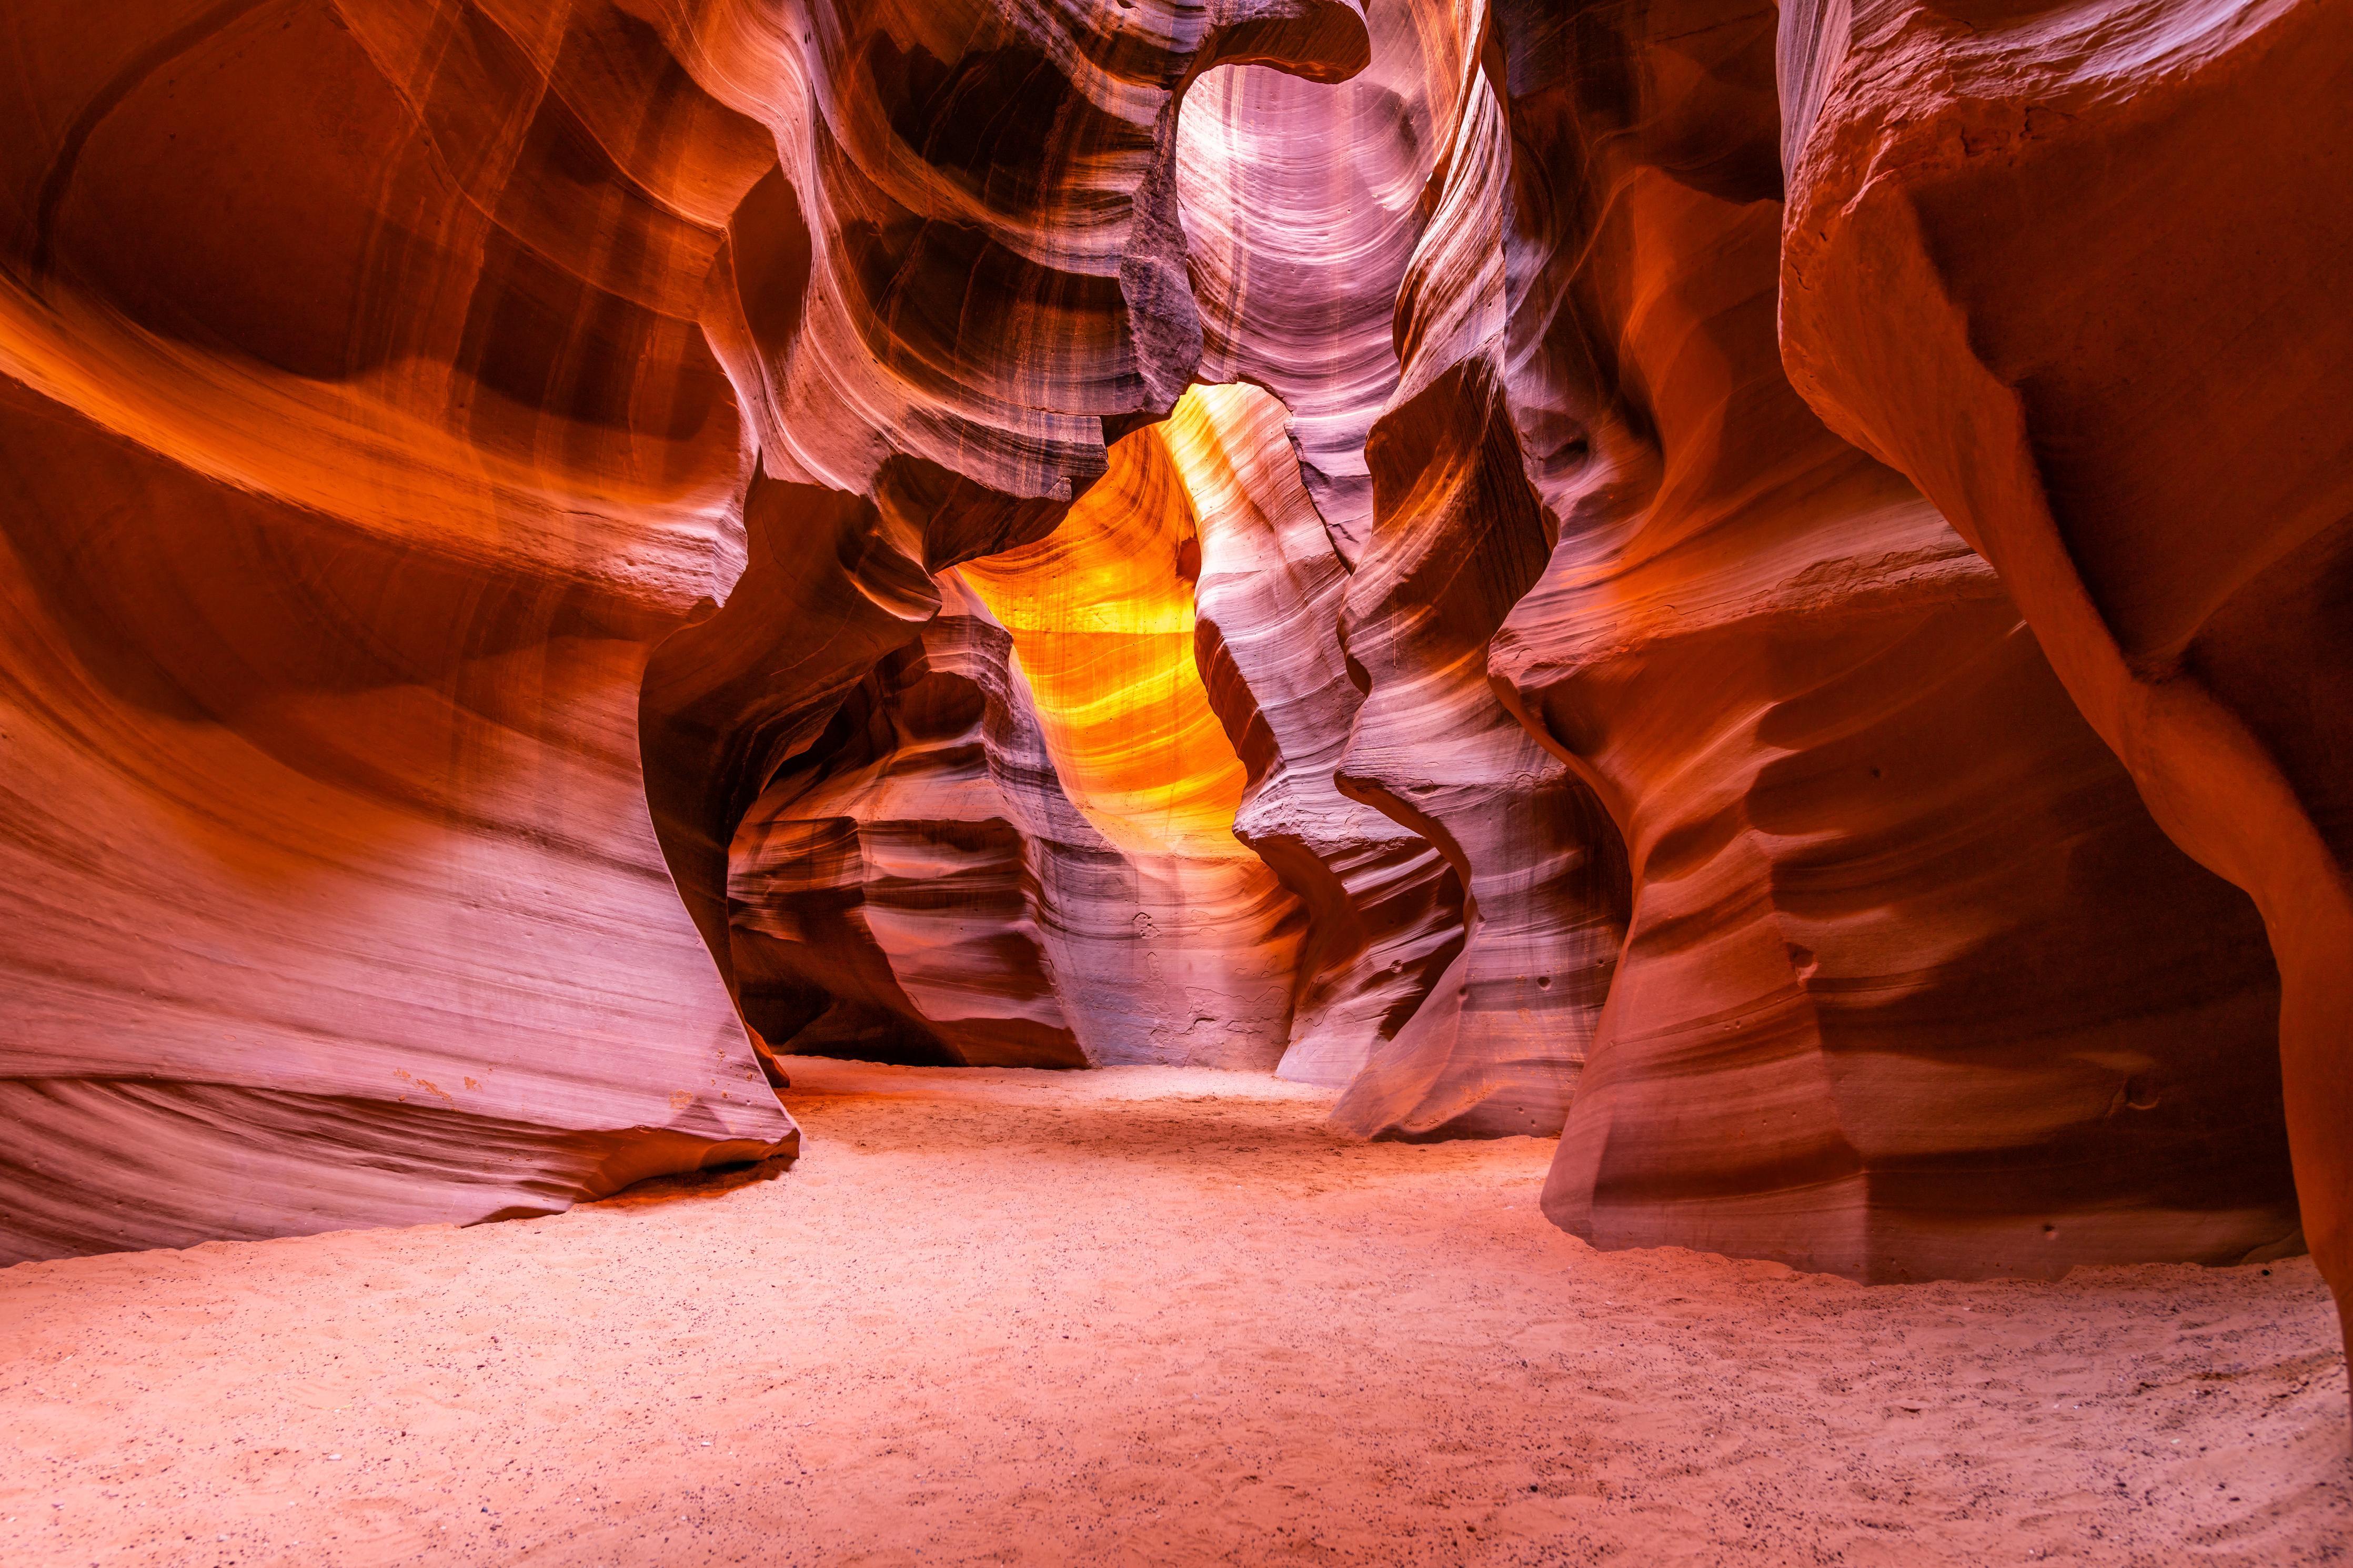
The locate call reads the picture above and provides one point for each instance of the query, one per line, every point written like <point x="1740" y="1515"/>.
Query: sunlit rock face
<point x="1383" y="909"/>
<point x="387" y="382"/>
<point x="1456" y="540"/>
<point x="2081" y="274"/>
<point x="554" y="553"/>
<point x="1302" y="202"/>
<point x="974" y="255"/>
<point x="1187" y="954"/>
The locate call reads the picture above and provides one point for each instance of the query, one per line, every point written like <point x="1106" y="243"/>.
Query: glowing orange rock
<point x="1197" y="967"/>
<point x="1384" y="909"/>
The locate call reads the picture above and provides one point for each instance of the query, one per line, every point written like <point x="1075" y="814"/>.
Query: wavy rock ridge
<point x="1737" y="584"/>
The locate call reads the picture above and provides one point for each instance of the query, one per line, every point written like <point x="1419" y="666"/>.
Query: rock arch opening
<point x="1086" y="812"/>
<point x="1013" y="841"/>
<point x="1115" y="802"/>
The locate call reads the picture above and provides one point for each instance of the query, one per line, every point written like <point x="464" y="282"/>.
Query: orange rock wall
<point x="358" y="444"/>
<point x="1866" y="826"/>
<point x="888" y="891"/>
<point x="2150" y="442"/>
<point x="1740" y="584"/>
<point x="1383" y="909"/>
<point x="1189" y="957"/>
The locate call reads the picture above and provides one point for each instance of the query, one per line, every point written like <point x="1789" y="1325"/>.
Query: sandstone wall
<point x="2082" y="275"/>
<point x="1755" y="587"/>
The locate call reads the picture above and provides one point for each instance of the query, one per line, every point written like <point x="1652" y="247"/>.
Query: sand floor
<point x="1143" y="1315"/>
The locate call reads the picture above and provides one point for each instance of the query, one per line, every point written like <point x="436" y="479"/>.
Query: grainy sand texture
<point x="1139" y="1315"/>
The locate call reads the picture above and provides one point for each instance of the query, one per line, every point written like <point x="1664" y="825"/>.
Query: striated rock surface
<point x="1357" y="539"/>
<point x="1301" y="201"/>
<point x="886" y="891"/>
<point x="1384" y="909"/>
<point x="1913" y="986"/>
<point x="1186" y="953"/>
<point x="974" y="257"/>
<point x="960" y="871"/>
<point x="386" y="381"/>
<point x="967" y="279"/>
<point x="2082" y="275"/>
<point x="1456" y="540"/>
<point x="1451" y="542"/>
<point x="357" y="442"/>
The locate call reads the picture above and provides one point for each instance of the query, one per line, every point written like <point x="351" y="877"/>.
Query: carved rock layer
<point x="1363" y="539"/>
<point x="1187" y="955"/>
<point x="358" y="444"/>
<point x="2082" y="275"/>
<point x="1867" y="1019"/>
<point x="1384" y="909"/>
<point x="1456" y="540"/>
<point x="887" y="891"/>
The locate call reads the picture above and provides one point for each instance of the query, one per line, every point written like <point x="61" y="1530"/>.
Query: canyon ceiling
<point x="1769" y="591"/>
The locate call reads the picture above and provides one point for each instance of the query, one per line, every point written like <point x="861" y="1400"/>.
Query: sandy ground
<point x="1143" y="1315"/>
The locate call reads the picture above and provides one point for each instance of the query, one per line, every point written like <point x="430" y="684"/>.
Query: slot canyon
<point x="1175" y="781"/>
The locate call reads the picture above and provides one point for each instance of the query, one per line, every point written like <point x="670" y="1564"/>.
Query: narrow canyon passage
<point x="1139" y="1315"/>
<point x="1067" y="782"/>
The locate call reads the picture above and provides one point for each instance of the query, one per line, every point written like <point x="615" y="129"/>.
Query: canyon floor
<point x="1140" y="1315"/>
